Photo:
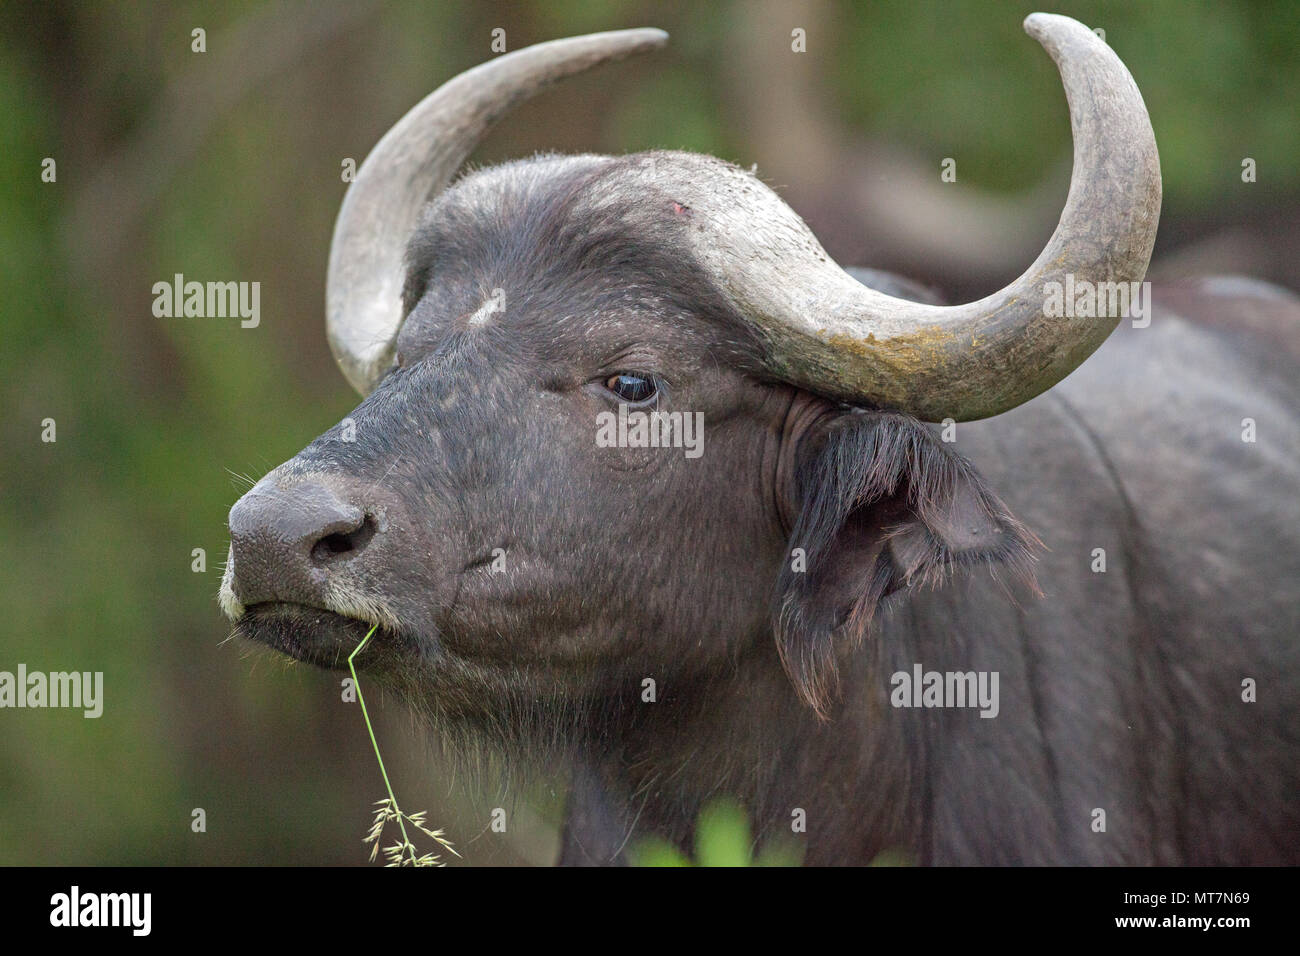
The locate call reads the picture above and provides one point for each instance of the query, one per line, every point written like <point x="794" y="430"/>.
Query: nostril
<point x="338" y="544"/>
<point x="335" y="544"/>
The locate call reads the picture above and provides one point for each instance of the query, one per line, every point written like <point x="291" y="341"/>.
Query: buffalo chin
<point x="312" y="635"/>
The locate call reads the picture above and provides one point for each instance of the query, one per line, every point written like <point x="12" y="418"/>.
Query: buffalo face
<point x="470" y="505"/>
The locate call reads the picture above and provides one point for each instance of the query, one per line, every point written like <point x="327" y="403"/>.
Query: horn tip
<point x="650" y="36"/>
<point x="1040" y="26"/>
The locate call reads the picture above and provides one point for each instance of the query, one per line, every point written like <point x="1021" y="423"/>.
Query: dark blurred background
<point x="225" y="165"/>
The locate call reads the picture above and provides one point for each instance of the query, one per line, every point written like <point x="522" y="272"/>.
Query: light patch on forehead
<point x="494" y="305"/>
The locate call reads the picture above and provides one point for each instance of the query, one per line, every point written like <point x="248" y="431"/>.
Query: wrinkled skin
<point x="485" y="434"/>
<point x="1119" y="690"/>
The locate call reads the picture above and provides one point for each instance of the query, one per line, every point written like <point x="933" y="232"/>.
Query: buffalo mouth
<point x="313" y="635"/>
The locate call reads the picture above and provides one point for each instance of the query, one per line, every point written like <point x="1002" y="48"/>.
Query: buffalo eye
<point x="631" y="388"/>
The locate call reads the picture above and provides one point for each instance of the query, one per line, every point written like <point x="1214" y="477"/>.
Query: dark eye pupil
<point x="631" y="388"/>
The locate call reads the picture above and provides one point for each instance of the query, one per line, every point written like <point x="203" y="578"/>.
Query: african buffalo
<point x="1109" y="569"/>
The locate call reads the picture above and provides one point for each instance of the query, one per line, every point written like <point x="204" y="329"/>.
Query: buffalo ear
<point x="882" y="505"/>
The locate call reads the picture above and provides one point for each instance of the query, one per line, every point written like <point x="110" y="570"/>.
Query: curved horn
<point x="412" y="163"/>
<point x="832" y="335"/>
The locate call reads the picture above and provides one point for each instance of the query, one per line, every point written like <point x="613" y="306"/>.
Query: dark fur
<point x="1120" y="691"/>
<point x="889" y="472"/>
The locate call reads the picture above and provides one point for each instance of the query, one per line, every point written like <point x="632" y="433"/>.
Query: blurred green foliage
<point x="1221" y="81"/>
<point x="155" y="417"/>
<point x="722" y="838"/>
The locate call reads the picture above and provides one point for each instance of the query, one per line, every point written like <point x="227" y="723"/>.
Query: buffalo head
<point x="526" y="575"/>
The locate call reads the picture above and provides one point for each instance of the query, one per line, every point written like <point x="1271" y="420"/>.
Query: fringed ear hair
<point x="883" y="505"/>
